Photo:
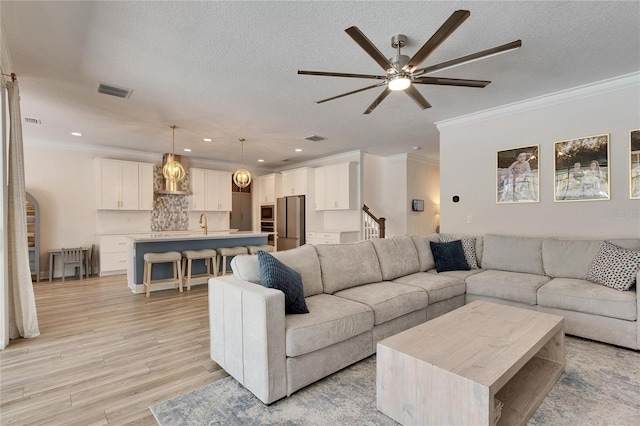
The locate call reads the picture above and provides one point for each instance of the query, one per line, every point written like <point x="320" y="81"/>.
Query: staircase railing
<point x="373" y="227"/>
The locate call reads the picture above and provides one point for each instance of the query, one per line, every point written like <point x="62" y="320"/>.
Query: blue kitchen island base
<point x="160" y="243"/>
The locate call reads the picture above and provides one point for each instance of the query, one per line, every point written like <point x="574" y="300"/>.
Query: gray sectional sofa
<point x="358" y="294"/>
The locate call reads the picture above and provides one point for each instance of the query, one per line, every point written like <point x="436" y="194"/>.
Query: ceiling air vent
<point x="109" y="89"/>
<point x="32" y="120"/>
<point x="315" y="138"/>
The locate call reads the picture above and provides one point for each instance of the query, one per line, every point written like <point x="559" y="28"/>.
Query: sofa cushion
<point x="348" y="265"/>
<point x="397" y="256"/>
<point x="275" y="274"/>
<point x="514" y="286"/>
<point x="425" y="257"/>
<point x="568" y="258"/>
<point x="388" y="300"/>
<point x="438" y="286"/>
<point x="469" y="247"/>
<point x="449" y="256"/>
<point x="614" y="267"/>
<point x="330" y="320"/>
<point x="458" y="274"/>
<point x="514" y="254"/>
<point x="303" y="260"/>
<point x="587" y="297"/>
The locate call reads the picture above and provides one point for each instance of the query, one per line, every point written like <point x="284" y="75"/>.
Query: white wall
<point x="468" y="147"/>
<point x="423" y="183"/>
<point x="391" y="183"/>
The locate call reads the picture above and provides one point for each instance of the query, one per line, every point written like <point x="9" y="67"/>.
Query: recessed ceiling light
<point x="187" y="150"/>
<point x="416" y="147"/>
<point x="260" y="160"/>
<point x="298" y="149"/>
<point x="207" y="139"/>
<point x="76" y="134"/>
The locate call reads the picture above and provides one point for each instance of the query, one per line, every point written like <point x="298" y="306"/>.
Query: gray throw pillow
<point x="275" y="274"/>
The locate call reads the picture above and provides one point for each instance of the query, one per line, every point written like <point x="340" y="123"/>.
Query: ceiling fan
<point x="402" y="72"/>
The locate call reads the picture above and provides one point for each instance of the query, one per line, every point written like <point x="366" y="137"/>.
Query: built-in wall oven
<point x="267" y="223"/>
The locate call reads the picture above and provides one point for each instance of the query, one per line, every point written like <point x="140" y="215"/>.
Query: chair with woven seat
<point x="173" y="257"/>
<point x="72" y="257"/>
<point x="223" y="252"/>
<point x="210" y="258"/>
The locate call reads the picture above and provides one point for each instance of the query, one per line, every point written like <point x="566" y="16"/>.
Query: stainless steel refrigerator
<point x="290" y="222"/>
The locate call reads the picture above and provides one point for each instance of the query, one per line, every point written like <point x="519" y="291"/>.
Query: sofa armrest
<point x="247" y="329"/>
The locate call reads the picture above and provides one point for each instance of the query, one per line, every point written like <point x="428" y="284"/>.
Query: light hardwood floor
<point x="105" y="355"/>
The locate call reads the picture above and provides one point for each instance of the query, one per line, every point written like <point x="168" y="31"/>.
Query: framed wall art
<point x="517" y="175"/>
<point x="582" y="169"/>
<point x="634" y="164"/>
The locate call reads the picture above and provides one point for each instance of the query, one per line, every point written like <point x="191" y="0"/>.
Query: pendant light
<point x="242" y="177"/>
<point x="172" y="169"/>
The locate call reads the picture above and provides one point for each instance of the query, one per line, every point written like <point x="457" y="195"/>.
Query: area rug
<point x="600" y="386"/>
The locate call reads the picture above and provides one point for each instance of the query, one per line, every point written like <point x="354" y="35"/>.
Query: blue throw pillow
<point x="449" y="256"/>
<point x="275" y="274"/>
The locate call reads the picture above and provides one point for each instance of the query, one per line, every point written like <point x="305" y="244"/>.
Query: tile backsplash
<point x="170" y="211"/>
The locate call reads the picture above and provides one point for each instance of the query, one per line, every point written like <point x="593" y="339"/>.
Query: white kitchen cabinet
<point x="122" y="185"/>
<point x="269" y="188"/>
<point x="336" y="186"/>
<point x="211" y="190"/>
<point x="113" y="251"/>
<point x="145" y="188"/>
<point x="332" y="237"/>
<point x="294" y="182"/>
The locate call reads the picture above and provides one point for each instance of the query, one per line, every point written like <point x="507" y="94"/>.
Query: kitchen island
<point x="159" y="242"/>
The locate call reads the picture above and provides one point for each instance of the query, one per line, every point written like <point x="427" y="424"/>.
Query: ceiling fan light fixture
<point x="400" y="82"/>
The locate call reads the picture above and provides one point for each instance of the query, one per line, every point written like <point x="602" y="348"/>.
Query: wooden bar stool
<point x="170" y="256"/>
<point x="210" y="262"/>
<point x="265" y="247"/>
<point x="230" y="251"/>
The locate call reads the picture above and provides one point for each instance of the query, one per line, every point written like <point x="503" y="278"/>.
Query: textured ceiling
<point x="225" y="70"/>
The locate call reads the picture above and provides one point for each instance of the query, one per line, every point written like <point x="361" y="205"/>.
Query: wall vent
<point x="109" y="89"/>
<point x="315" y="138"/>
<point x="32" y="120"/>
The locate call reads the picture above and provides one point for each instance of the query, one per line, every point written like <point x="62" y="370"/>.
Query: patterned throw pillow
<point x="614" y="267"/>
<point x="275" y="274"/>
<point x="449" y="256"/>
<point x="469" y="247"/>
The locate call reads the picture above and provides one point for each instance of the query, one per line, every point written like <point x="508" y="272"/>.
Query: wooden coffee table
<point x="451" y="369"/>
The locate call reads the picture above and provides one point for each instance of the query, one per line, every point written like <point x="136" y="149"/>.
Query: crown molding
<point x="579" y="92"/>
<point x="332" y="159"/>
<point x="423" y="159"/>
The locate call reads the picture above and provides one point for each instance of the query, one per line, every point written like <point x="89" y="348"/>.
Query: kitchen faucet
<point x="203" y="225"/>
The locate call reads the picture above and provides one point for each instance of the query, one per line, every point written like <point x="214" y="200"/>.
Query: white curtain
<point x="23" y="319"/>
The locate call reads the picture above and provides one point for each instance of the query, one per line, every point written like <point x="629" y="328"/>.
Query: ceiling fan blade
<point x="353" y="92"/>
<point x="455" y="20"/>
<point x="368" y="47"/>
<point x="471" y="58"/>
<point x="340" y="74"/>
<point x="451" y="81"/>
<point x="417" y="97"/>
<point x="377" y="101"/>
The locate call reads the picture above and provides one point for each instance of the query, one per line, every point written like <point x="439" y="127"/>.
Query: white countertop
<point x="189" y="235"/>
